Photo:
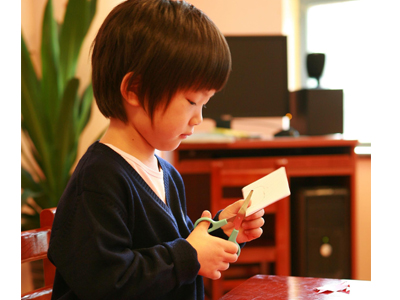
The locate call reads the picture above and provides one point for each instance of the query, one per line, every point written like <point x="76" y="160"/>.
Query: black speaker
<point x="321" y="233"/>
<point x="317" y="111"/>
<point x="315" y="65"/>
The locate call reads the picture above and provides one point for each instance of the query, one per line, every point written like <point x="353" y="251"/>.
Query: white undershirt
<point x="153" y="178"/>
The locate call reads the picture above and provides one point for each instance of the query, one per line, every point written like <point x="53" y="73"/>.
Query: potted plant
<point x="53" y="113"/>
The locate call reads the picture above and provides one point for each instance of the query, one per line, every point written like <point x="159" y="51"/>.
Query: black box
<point x="321" y="245"/>
<point x="317" y="111"/>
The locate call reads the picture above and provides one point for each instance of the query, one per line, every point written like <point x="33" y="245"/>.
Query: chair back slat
<point x="34" y="246"/>
<point x="39" y="294"/>
<point x="47" y="217"/>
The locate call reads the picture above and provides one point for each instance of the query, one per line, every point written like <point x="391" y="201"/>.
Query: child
<point x="121" y="229"/>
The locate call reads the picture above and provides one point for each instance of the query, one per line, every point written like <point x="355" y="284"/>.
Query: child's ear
<point x="129" y="92"/>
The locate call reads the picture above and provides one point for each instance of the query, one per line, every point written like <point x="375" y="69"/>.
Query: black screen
<point x="258" y="84"/>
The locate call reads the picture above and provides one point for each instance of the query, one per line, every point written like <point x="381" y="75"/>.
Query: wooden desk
<point x="288" y="287"/>
<point x="308" y="161"/>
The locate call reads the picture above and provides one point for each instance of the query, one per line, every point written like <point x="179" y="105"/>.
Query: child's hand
<point x="214" y="254"/>
<point x="251" y="226"/>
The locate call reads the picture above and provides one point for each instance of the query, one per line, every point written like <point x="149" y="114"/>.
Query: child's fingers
<point x="256" y="215"/>
<point x="230" y="247"/>
<point x="230" y="250"/>
<point x="231" y="258"/>
<point x="234" y="207"/>
<point x="253" y="223"/>
<point x="224" y="266"/>
<point x="253" y="234"/>
<point x="215" y="275"/>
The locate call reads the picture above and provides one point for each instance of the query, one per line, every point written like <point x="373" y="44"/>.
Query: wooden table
<point x="288" y="287"/>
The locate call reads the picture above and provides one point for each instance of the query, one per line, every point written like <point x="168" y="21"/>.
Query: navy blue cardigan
<point x="113" y="238"/>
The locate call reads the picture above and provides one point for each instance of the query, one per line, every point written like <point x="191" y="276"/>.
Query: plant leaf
<point x="30" y="221"/>
<point x="26" y="194"/>
<point x="30" y="95"/>
<point x="67" y="135"/>
<point x="77" y="19"/>
<point x="50" y="67"/>
<point x="30" y="84"/>
<point x="53" y="116"/>
<point x="28" y="183"/>
<point x="34" y="120"/>
<point x="85" y="108"/>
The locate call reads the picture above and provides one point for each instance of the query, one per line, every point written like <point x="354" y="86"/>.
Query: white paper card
<point x="267" y="190"/>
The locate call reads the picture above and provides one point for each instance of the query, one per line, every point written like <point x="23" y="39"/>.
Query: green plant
<point x="53" y="114"/>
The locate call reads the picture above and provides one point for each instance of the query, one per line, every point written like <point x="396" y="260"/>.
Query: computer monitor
<point x="258" y="84"/>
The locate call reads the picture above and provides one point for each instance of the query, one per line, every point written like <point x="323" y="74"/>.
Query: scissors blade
<point x="242" y="212"/>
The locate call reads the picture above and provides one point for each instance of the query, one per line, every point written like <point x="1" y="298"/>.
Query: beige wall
<point x="232" y="17"/>
<point x="363" y="217"/>
<point x="244" y="17"/>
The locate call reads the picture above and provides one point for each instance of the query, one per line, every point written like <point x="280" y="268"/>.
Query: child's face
<point x="177" y="122"/>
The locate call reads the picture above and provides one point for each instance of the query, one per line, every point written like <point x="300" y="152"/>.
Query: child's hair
<point x="169" y="46"/>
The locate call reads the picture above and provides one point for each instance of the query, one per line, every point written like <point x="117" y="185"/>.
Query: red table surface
<point x="291" y="287"/>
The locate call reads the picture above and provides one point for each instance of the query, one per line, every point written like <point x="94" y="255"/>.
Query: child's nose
<point x="197" y="119"/>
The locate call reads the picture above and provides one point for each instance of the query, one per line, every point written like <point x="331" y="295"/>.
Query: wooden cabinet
<point x="309" y="161"/>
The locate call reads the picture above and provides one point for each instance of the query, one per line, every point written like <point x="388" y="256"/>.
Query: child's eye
<point x="194" y="103"/>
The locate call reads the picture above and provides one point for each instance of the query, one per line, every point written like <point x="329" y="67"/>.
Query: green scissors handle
<point x="218" y="224"/>
<point x="233" y="237"/>
<point x="214" y="224"/>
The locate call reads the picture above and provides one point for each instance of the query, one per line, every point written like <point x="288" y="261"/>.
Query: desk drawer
<point x="323" y="165"/>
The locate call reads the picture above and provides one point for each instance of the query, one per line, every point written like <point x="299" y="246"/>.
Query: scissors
<point x="236" y="220"/>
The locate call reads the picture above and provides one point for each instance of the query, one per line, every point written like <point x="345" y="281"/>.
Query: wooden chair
<point x="227" y="177"/>
<point x="34" y="246"/>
